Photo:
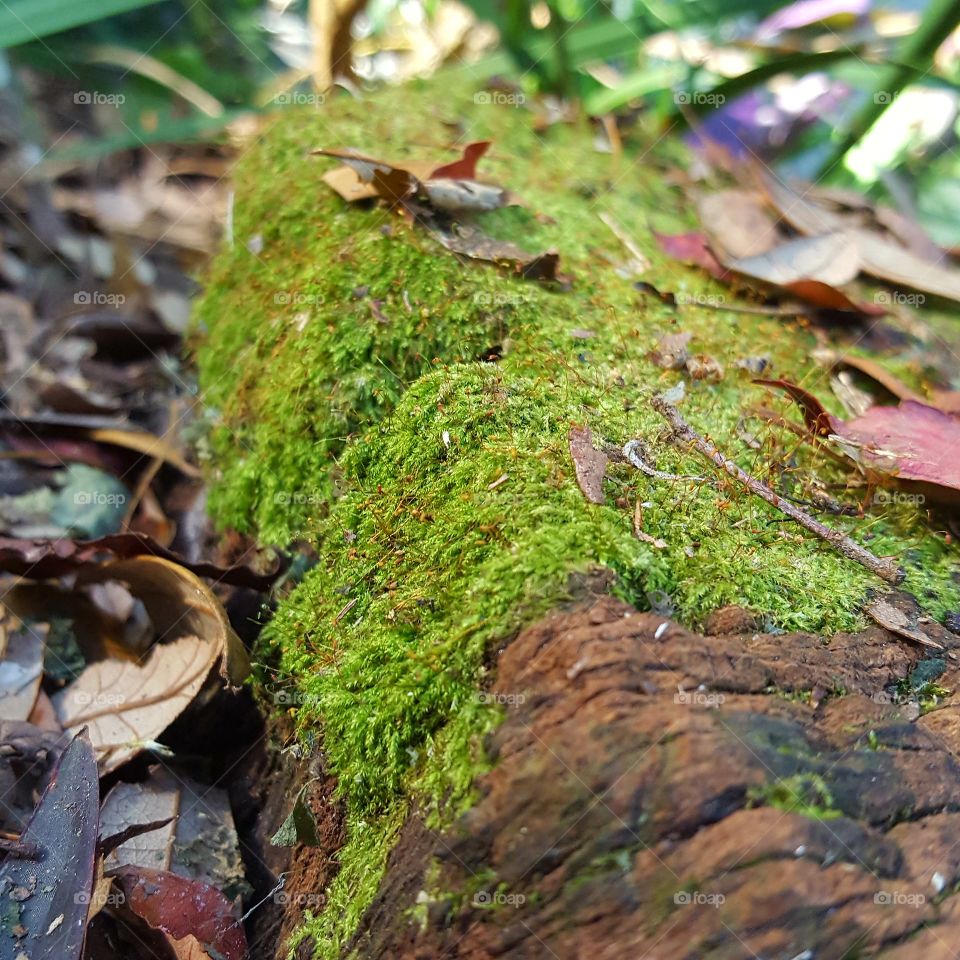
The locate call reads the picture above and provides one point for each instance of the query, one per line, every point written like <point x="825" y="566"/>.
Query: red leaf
<point x="589" y="464"/>
<point x="466" y="167"/>
<point x="182" y="908"/>
<point x="912" y="441"/>
<point x="773" y="267"/>
<point x="821" y="294"/>
<point x="692" y="248"/>
<point x="818" y="420"/>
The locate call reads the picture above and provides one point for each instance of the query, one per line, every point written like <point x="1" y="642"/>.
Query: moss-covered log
<point x="408" y="414"/>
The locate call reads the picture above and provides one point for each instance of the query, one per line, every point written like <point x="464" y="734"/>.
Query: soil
<point x="285" y="879"/>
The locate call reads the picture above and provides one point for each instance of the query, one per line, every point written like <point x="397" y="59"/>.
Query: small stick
<point x="630" y="451"/>
<point x="884" y="567"/>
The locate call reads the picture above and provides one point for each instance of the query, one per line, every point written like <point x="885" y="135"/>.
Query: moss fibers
<point x="408" y="415"/>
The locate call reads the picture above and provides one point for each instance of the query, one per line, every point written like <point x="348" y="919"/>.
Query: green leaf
<point x="635" y="85"/>
<point x="24" y="20"/>
<point x="300" y="825"/>
<point x="914" y="54"/>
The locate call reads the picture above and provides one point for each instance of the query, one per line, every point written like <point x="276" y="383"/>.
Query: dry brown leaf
<point x="451" y="187"/>
<point x="589" y="464"/>
<point x="200" y="844"/>
<point x="878" y="256"/>
<point x="897" y="265"/>
<point x="897" y="621"/>
<point x="346" y="184"/>
<point x="832" y="259"/>
<point x="127" y="804"/>
<point x="908" y="232"/>
<point x="189" y="948"/>
<point x="470" y="241"/>
<point x="457" y="195"/>
<point x="145" y="443"/>
<point x="179" y="604"/>
<point x="875" y="371"/>
<point x="737" y="223"/>
<point x="126" y="706"/>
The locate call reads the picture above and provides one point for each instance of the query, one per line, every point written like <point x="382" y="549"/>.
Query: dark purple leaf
<point x="44" y="900"/>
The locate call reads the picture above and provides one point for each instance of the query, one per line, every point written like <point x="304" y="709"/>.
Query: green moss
<point x="805" y="793"/>
<point x="354" y="407"/>
<point x="361" y="863"/>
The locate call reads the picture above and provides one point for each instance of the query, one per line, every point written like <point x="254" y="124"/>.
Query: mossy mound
<point x="350" y="362"/>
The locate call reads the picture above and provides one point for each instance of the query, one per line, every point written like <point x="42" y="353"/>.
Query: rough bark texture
<point x="639" y="805"/>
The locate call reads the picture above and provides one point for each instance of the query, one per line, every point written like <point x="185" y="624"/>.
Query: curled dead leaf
<point x="128" y="704"/>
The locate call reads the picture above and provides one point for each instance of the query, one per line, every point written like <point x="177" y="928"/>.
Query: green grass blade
<point x="914" y="55"/>
<point x="24" y="20"/>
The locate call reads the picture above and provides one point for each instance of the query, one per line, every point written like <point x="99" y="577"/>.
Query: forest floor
<point x="584" y="641"/>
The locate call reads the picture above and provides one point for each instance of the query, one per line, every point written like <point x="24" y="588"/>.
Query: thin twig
<point x="885" y="567"/>
<point x="630" y="451"/>
<point x="641" y="262"/>
<point x="760" y="311"/>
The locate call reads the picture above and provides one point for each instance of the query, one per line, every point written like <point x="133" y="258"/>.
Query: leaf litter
<point x="110" y="643"/>
<point x="912" y="442"/>
<point x="440" y="198"/>
<point x="780" y="238"/>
